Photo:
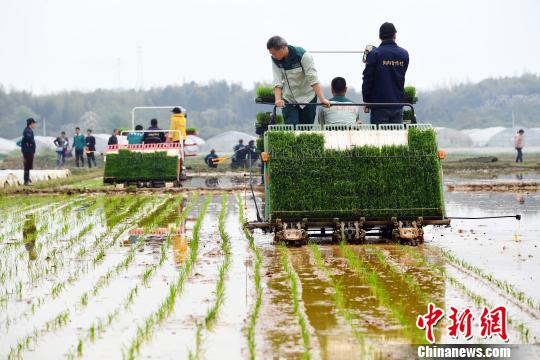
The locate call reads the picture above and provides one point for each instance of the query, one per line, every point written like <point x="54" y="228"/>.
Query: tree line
<point x="220" y="106"/>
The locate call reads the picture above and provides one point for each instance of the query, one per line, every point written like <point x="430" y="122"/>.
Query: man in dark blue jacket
<point x="28" y="148"/>
<point x="154" y="137"/>
<point x="384" y="78"/>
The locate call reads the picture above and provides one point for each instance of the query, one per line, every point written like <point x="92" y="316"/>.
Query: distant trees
<point x="220" y="106"/>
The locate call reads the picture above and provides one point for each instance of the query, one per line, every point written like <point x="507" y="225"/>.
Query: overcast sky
<point x="53" y="45"/>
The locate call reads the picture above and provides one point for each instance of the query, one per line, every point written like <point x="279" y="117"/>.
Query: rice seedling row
<point x="213" y="312"/>
<point x="476" y="298"/>
<point x="99" y="325"/>
<point x="378" y="288"/>
<point x="54" y="323"/>
<point x="525" y="302"/>
<point x="254" y="314"/>
<point x="339" y="297"/>
<point x="58" y="287"/>
<point x="145" y="330"/>
<point x="53" y="262"/>
<point x="409" y="281"/>
<point x="296" y="297"/>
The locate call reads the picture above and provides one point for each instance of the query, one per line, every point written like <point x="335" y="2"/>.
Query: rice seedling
<point x="503" y="285"/>
<point x="299" y="312"/>
<point x="213" y="311"/>
<point x="254" y="314"/>
<point x="99" y="325"/>
<point x="339" y="297"/>
<point x="144" y="331"/>
<point x="378" y="288"/>
<point x="101" y="282"/>
<point x="406" y="279"/>
<point x="481" y="301"/>
<point x="297" y="162"/>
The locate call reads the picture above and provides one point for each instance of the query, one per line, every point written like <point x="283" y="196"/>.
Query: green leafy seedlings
<point x="295" y="295"/>
<point x="307" y="180"/>
<point x="505" y="286"/>
<point x="265" y="94"/>
<point x="213" y="311"/>
<point x="378" y="288"/>
<point x="145" y="330"/>
<point x="132" y="166"/>
<point x="254" y="314"/>
<point x="339" y="297"/>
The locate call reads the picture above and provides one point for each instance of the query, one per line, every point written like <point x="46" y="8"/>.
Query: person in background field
<point x="339" y="115"/>
<point x="90" y="142"/>
<point x="154" y="137"/>
<point x="28" y="148"/>
<point x="178" y="122"/>
<point x="61" y="144"/>
<point x="519" y="144"/>
<point x="78" y="145"/>
<point x="251" y="151"/>
<point x="135" y="137"/>
<point x="113" y="140"/>
<point x="295" y="81"/>
<point x="384" y="78"/>
<point x="209" y="157"/>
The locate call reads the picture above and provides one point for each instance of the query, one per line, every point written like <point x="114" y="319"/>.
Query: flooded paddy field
<point x="160" y="276"/>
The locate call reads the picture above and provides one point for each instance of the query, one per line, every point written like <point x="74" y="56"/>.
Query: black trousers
<point x="79" y="156"/>
<point x="28" y="160"/>
<point x="519" y="157"/>
<point x="90" y="157"/>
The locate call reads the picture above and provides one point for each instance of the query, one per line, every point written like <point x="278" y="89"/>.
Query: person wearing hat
<point x="178" y="122"/>
<point x="384" y="78"/>
<point x="28" y="148"/>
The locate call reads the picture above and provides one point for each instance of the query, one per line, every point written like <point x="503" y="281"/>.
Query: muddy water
<point x="381" y="307"/>
<point x="334" y="336"/>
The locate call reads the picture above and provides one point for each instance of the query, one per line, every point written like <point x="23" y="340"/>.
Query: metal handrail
<point x="342" y="104"/>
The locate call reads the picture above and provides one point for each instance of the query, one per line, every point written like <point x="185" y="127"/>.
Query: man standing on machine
<point x="295" y="81"/>
<point x="384" y="78"/>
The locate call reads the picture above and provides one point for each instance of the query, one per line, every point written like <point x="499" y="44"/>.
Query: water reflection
<point x="171" y="227"/>
<point x="29" y="236"/>
<point x="180" y="248"/>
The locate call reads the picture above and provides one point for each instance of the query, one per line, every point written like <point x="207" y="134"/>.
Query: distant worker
<point x="209" y="159"/>
<point x="154" y="137"/>
<point x="135" y="137"/>
<point x="90" y="142"/>
<point x="78" y="145"/>
<point x="61" y="143"/>
<point x="28" y="148"/>
<point x="251" y="151"/>
<point x="113" y="139"/>
<point x="239" y="146"/>
<point x="239" y="156"/>
<point x="339" y="114"/>
<point x="295" y="81"/>
<point x="178" y="122"/>
<point x="519" y="144"/>
<point x="384" y="78"/>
